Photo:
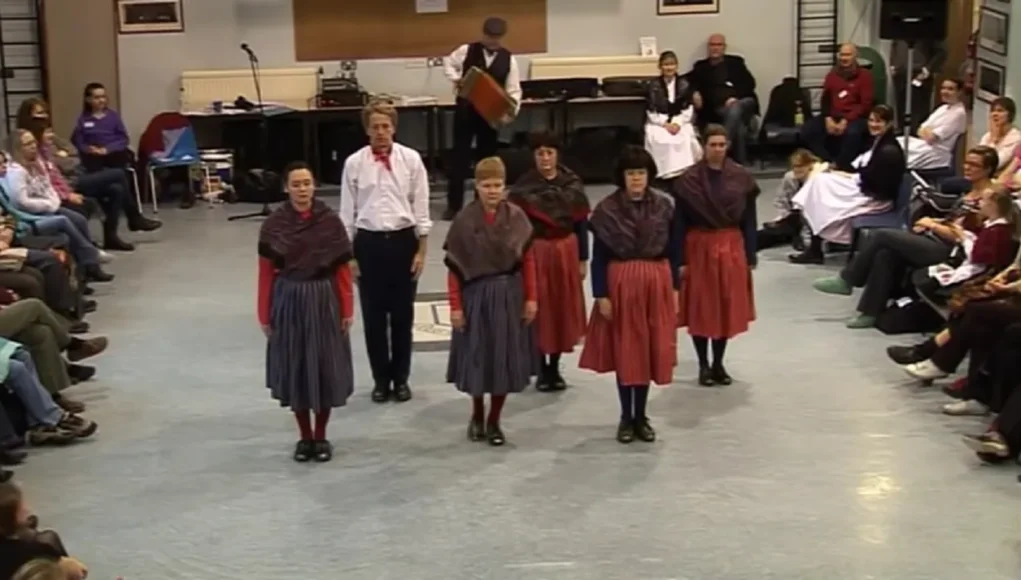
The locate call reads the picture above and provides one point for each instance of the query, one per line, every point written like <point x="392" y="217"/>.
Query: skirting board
<point x="593" y="67"/>
<point x="292" y="87"/>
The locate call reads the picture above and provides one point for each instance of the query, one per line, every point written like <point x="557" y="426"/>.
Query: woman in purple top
<point x="100" y="135"/>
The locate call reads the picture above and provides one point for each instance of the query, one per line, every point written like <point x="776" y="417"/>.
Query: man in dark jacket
<point x="847" y="99"/>
<point x="725" y="94"/>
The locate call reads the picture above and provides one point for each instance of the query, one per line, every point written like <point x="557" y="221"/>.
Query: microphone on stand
<point x="249" y="51"/>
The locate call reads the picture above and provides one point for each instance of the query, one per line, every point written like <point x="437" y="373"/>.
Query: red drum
<point x="486" y="95"/>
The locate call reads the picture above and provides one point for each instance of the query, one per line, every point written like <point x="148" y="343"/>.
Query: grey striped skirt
<point x="308" y="358"/>
<point x="495" y="353"/>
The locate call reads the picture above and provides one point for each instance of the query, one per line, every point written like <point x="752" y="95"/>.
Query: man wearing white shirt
<point x="490" y="56"/>
<point x="933" y="148"/>
<point x="384" y="203"/>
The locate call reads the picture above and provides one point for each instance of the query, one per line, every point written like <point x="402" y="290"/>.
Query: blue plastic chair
<point x="180" y="149"/>
<point x="894" y="218"/>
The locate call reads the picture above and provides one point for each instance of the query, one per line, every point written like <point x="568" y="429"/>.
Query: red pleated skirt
<point x="560" y="322"/>
<point x="716" y="299"/>
<point x="639" y="342"/>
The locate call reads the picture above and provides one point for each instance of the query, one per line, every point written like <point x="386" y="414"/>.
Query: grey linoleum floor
<point x="820" y="462"/>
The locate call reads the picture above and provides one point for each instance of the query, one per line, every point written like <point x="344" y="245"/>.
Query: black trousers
<point x="842" y="149"/>
<point x="113" y="160"/>
<point x="113" y="191"/>
<point x="977" y="329"/>
<point x="387" y="291"/>
<point x="56" y="284"/>
<point x="921" y="101"/>
<point x="994" y="370"/>
<point x="469" y="127"/>
<point x="885" y="260"/>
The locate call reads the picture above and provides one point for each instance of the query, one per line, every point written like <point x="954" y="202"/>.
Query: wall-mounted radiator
<point x="292" y="87"/>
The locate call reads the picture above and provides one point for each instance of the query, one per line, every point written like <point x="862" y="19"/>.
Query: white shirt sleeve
<point x="453" y="65"/>
<point x="1008" y="146"/>
<point x="655" y="118"/>
<point x="951" y="124"/>
<point x="513" y="84"/>
<point x="420" y="196"/>
<point x="348" y="196"/>
<point x="17" y="179"/>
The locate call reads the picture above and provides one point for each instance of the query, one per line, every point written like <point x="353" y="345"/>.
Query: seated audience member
<point x="1002" y="134"/>
<point x="30" y="323"/>
<point x="107" y="188"/>
<point x="725" y="93"/>
<point x="997" y="390"/>
<point x="933" y="148"/>
<point x="788" y="225"/>
<point x="21" y="546"/>
<point x="980" y="323"/>
<point x="846" y="101"/>
<point x="890" y="254"/>
<point x="670" y="135"/>
<point x="10" y="440"/>
<point x="48" y="423"/>
<point x="830" y="199"/>
<point x="100" y="135"/>
<point x="31" y="191"/>
<point x="69" y="198"/>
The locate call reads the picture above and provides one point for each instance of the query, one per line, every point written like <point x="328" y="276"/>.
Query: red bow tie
<point x="384" y="158"/>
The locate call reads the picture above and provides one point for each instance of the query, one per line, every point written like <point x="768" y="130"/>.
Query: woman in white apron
<point x="933" y="148"/>
<point x="830" y="199"/>
<point x="670" y="135"/>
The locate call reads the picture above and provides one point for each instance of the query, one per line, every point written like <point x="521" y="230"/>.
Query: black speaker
<point x="913" y="19"/>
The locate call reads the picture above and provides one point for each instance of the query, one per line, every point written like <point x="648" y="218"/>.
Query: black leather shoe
<point x="322" y="451"/>
<point x="907" y="355"/>
<point x="705" y="377"/>
<point x="543" y="382"/>
<point x="626" y="431"/>
<point x="807" y="257"/>
<point x="644" y="431"/>
<point x="5" y="475"/>
<point x="115" y="244"/>
<point x="402" y="393"/>
<point x="78" y="327"/>
<point x="720" y="376"/>
<point x="12" y="456"/>
<point x="304" y="450"/>
<point x="494" y="435"/>
<point x="476" y="431"/>
<point x="89" y="306"/>
<point x="80" y="373"/>
<point x="141" y="223"/>
<point x="88" y="291"/>
<point x="557" y="382"/>
<point x="381" y="393"/>
<point x="96" y="274"/>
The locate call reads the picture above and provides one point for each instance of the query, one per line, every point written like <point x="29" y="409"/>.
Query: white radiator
<point x="293" y="87"/>
<point x="560" y="67"/>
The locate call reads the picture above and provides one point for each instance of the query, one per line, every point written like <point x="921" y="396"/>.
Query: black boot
<point x="906" y="355"/>
<point x="111" y="241"/>
<point x="94" y="273"/>
<point x="139" y="223"/>
<point x="812" y="255"/>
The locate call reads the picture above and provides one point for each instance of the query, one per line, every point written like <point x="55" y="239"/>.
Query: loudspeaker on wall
<point x="913" y="19"/>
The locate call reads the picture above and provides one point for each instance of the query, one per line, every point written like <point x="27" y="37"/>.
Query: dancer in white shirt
<point x="384" y="204"/>
<point x="489" y="55"/>
<point x="670" y="135"/>
<point x="933" y="148"/>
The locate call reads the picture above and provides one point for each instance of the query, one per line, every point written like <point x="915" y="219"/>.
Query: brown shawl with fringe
<point x="634" y="229"/>
<point x="476" y="249"/>
<point x="721" y="206"/>
<point x="302" y="247"/>
<point x="553" y="205"/>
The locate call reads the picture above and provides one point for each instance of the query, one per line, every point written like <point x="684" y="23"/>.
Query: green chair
<point x="872" y="60"/>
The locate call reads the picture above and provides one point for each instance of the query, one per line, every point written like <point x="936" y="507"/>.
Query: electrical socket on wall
<point x="434" y="61"/>
<point x="348" y="65"/>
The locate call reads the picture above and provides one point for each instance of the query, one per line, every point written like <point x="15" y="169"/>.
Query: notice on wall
<point x="431" y="6"/>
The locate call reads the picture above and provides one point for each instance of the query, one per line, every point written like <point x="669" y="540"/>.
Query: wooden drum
<point x="486" y="96"/>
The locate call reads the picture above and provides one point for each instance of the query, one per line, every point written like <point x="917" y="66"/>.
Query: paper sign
<point x="431" y="6"/>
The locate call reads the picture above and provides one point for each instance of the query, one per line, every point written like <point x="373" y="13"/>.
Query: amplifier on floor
<point x="626" y="86"/>
<point x="341" y="92"/>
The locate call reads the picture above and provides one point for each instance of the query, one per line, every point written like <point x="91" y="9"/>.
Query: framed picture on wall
<point x="149" y="16"/>
<point x="672" y="7"/>
<point x="993" y="29"/>
<point x="990" y="80"/>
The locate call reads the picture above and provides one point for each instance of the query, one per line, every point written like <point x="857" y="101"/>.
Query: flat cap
<point x="494" y="26"/>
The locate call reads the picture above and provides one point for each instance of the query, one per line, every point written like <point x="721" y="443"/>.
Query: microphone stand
<point x="253" y="62"/>
<point x="910" y="76"/>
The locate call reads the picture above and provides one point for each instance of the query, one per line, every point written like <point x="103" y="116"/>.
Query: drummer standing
<point x="489" y="55"/>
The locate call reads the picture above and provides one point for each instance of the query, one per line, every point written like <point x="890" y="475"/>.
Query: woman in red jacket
<point x="306" y="306"/>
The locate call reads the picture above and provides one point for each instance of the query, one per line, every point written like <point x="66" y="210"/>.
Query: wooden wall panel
<point x="326" y="30"/>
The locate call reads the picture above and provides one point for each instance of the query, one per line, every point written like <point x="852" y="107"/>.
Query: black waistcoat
<point x="500" y="68"/>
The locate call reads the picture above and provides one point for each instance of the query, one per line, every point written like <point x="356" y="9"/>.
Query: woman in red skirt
<point x="553" y="197"/>
<point x="635" y="273"/>
<point x="717" y="221"/>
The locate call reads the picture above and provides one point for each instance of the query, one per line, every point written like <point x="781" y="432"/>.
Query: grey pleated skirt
<point x="495" y="353"/>
<point x="308" y="358"/>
